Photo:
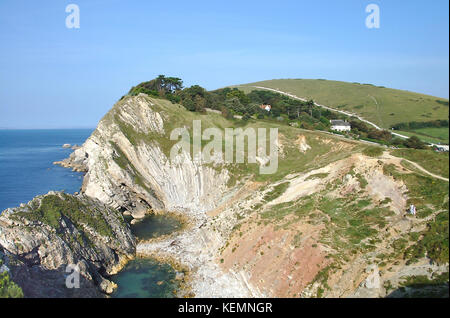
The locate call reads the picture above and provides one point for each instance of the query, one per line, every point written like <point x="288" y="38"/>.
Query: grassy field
<point x="431" y="135"/>
<point x="439" y="133"/>
<point x="383" y="106"/>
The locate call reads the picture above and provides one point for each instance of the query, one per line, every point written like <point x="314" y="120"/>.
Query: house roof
<point x="339" y="123"/>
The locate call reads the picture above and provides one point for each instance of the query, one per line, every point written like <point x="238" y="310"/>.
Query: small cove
<point x="147" y="277"/>
<point x="153" y="226"/>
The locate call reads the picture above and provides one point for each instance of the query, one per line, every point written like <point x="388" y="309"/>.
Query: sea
<point x="26" y="163"/>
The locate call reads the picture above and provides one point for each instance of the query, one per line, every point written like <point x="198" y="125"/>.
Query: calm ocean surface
<point x="26" y="163"/>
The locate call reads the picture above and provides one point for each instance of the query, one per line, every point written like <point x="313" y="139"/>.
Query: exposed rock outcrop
<point x="42" y="238"/>
<point x="126" y="159"/>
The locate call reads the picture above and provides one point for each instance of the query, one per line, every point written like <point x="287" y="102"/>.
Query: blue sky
<point x="54" y="77"/>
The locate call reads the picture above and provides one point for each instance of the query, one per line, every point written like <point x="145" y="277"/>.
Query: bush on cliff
<point x="9" y="289"/>
<point x="54" y="207"/>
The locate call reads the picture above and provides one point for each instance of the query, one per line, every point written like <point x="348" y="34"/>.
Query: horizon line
<point x="42" y="128"/>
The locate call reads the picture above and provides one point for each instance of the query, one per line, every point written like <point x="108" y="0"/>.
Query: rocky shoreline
<point x="42" y="238"/>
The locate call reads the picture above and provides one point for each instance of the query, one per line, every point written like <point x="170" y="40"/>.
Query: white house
<point x="266" y="107"/>
<point x="340" y="125"/>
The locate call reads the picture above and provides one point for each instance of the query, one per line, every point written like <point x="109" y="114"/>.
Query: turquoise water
<point x="155" y="225"/>
<point x="145" y="278"/>
<point x="26" y="163"/>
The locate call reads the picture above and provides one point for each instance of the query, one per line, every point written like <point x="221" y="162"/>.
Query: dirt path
<point x="378" y="109"/>
<point x="387" y="155"/>
<point x="426" y="171"/>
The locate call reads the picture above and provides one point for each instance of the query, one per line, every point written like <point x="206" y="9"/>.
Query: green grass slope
<point x="383" y="106"/>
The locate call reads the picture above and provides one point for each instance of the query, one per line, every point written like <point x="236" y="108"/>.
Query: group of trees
<point x="299" y="113"/>
<point x="364" y="131"/>
<point x="418" y="125"/>
<point x="162" y="86"/>
<point x="412" y="142"/>
<point x="195" y="98"/>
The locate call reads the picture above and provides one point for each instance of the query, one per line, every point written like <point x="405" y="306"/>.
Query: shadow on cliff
<point x="38" y="282"/>
<point x="421" y="291"/>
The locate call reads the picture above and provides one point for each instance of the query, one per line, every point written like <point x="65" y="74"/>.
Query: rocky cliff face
<point x="41" y="238"/>
<point x="127" y="165"/>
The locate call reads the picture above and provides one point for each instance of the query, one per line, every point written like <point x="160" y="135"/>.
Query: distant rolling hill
<point x="383" y="106"/>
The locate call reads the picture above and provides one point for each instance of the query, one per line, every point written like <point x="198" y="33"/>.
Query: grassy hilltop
<point x="383" y="106"/>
